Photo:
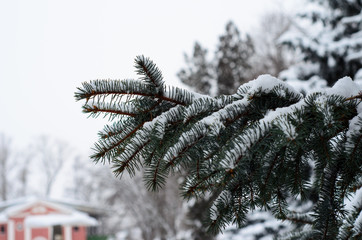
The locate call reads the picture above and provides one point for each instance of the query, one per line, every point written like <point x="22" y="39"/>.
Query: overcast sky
<point x="49" y="47"/>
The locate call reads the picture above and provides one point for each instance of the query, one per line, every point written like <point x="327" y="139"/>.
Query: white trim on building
<point x="11" y="232"/>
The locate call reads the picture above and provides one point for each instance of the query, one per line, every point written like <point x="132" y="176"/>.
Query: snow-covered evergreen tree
<point x="331" y="44"/>
<point x="253" y="149"/>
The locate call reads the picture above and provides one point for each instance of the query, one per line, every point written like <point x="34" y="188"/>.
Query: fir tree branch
<point x="326" y="221"/>
<point x="101" y="88"/>
<point x="107" y="110"/>
<point x="104" y="150"/>
<point x="171" y="162"/>
<point x="155" y="176"/>
<point x="122" y="165"/>
<point x="112" y="87"/>
<point x="150" y="71"/>
<point x="192" y="189"/>
<point x="271" y="169"/>
<point x="356" y="146"/>
<point x="238" y="145"/>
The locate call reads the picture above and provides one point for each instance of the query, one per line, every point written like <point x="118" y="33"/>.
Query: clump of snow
<point x="279" y="117"/>
<point x="215" y="120"/>
<point x="266" y="83"/>
<point x="278" y="112"/>
<point x="263" y="223"/>
<point x="203" y="105"/>
<point x="159" y="123"/>
<point x="214" y="123"/>
<point x="345" y="87"/>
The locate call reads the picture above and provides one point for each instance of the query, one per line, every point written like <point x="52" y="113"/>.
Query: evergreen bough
<point x="261" y="147"/>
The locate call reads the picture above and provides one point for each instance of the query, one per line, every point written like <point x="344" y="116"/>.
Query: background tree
<point x="253" y="148"/>
<point x="199" y="73"/>
<point x="4" y="165"/>
<point x="18" y="174"/>
<point x="233" y="54"/>
<point x="239" y="60"/>
<point x="229" y="67"/>
<point x="24" y="159"/>
<point x="330" y="43"/>
<point x="52" y="153"/>
<point x="133" y="211"/>
<point x="14" y="167"/>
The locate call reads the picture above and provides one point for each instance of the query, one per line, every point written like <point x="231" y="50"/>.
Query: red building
<point x="36" y="219"/>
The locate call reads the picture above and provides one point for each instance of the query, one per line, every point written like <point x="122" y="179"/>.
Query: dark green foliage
<point x="97" y="238"/>
<point x="253" y="149"/>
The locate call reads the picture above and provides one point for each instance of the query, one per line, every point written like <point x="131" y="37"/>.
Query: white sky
<point x="48" y="47"/>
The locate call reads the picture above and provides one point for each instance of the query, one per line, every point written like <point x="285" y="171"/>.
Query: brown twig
<point x="354" y="97"/>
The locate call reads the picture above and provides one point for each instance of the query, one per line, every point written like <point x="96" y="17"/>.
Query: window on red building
<point x="2" y="229"/>
<point x="19" y="226"/>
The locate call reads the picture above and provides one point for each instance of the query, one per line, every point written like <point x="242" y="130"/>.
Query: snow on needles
<point x="211" y="125"/>
<point x="266" y="83"/>
<point x="347" y="88"/>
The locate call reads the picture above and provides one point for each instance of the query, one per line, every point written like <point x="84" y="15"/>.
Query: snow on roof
<point x="66" y="216"/>
<point x="18" y="201"/>
<point x="73" y="219"/>
<point x="3" y="218"/>
<point x="13" y="210"/>
<point x="63" y="203"/>
<point x="82" y="206"/>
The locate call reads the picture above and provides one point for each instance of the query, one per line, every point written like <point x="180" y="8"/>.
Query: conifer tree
<point x="331" y="44"/>
<point x="198" y="73"/>
<point x="233" y="59"/>
<point x="252" y="148"/>
<point x="230" y="66"/>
